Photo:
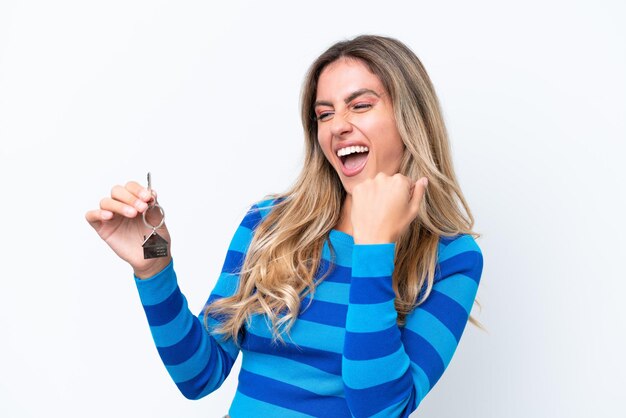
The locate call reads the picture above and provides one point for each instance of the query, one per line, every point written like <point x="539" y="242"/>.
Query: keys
<point x="149" y="182"/>
<point x="150" y="186"/>
<point x="154" y="245"/>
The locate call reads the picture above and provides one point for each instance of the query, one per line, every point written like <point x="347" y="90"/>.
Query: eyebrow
<point x="348" y="99"/>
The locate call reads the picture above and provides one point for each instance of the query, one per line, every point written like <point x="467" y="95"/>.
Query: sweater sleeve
<point x="388" y="370"/>
<point x="196" y="360"/>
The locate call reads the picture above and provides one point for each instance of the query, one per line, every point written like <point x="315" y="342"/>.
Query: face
<point x="356" y="128"/>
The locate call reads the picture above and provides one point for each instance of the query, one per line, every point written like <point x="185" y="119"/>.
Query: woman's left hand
<point x="384" y="207"/>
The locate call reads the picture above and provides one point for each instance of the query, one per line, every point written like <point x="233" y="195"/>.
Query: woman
<point x="347" y="294"/>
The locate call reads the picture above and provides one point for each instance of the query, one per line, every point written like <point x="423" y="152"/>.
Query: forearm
<point x="375" y="367"/>
<point x="191" y="356"/>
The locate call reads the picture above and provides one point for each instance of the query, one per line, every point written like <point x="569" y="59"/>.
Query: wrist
<point x="153" y="269"/>
<point x="372" y="241"/>
<point x="374" y="238"/>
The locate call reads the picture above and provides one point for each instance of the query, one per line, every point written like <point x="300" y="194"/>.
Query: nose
<point x="340" y="125"/>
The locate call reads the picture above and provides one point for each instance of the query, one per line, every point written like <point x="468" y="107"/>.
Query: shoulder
<point x="259" y="210"/>
<point x="459" y="254"/>
<point x="457" y="244"/>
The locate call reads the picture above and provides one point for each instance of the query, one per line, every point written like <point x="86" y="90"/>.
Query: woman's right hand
<point x="119" y="222"/>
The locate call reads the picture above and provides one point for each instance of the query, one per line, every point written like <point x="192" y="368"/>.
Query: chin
<point x="349" y="183"/>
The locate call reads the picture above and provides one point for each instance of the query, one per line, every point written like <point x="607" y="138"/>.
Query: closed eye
<point x="359" y="107"/>
<point x="362" y="106"/>
<point x="324" y="116"/>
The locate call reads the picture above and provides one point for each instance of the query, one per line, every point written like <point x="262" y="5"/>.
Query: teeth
<point x="351" y="150"/>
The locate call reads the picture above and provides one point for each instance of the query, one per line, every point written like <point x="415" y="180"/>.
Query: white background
<point x="205" y="95"/>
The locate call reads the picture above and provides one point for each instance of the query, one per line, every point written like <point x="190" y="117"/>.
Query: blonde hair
<point x="285" y="252"/>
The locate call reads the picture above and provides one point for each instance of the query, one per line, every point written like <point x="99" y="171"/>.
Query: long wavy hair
<point x="285" y="252"/>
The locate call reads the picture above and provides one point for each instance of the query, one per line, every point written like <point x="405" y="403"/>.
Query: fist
<point x="384" y="207"/>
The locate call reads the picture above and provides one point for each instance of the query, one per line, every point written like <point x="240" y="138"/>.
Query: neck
<point x="345" y="224"/>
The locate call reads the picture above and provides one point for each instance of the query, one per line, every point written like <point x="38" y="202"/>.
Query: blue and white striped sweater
<point x="345" y="356"/>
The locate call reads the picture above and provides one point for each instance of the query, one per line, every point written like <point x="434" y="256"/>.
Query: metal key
<point x="154" y="245"/>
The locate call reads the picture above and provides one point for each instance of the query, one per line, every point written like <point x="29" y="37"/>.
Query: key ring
<point x="145" y="221"/>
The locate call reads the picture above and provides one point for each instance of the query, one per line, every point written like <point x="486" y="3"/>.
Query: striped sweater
<point x="345" y="356"/>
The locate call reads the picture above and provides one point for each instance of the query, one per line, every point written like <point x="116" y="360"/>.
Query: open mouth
<point x="353" y="159"/>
